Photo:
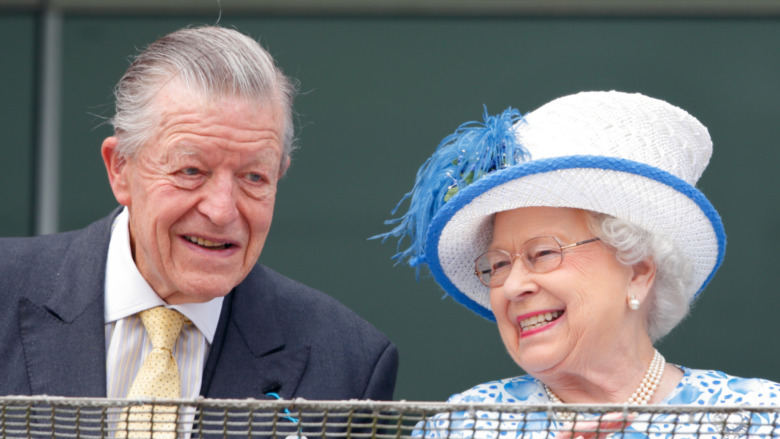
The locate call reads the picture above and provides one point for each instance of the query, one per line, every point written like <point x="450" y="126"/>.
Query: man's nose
<point x="220" y="201"/>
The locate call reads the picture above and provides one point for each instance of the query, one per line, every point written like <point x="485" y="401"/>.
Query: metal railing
<point x="56" y="417"/>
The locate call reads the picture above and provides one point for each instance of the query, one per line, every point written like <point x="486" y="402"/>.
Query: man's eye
<point x="190" y="171"/>
<point x="254" y="178"/>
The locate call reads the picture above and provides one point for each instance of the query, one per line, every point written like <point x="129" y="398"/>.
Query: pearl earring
<point x="634" y="303"/>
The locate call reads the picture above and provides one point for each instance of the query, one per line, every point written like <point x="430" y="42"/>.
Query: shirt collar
<point x="127" y="292"/>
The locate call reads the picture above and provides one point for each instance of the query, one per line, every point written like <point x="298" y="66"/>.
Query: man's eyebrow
<point x="263" y="155"/>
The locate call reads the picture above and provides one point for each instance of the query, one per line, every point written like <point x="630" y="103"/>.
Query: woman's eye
<point x="497" y="266"/>
<point x="543" y="254"/>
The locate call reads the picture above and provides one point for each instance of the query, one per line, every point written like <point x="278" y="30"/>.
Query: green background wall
<point x="378" y="95"/>
<point x="17" y="133"/>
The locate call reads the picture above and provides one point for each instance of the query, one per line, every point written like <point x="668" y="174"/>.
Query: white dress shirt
<point x="127" y="294"/>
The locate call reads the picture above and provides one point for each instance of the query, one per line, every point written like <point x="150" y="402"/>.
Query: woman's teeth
<point x="539" y="320"/>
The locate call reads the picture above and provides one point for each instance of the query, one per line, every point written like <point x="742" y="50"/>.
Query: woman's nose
<point x="520" y="282"/>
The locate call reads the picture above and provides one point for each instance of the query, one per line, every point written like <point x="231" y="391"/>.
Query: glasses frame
<point x="513" y="256"/>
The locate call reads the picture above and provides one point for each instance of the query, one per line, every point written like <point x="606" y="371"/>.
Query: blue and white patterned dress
<point x="697" y="387"/>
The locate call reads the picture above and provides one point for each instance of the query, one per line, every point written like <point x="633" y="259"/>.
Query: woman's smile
<point x="532" y="323"/>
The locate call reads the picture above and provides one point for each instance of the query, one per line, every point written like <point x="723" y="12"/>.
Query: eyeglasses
<point x="540" y="255"/>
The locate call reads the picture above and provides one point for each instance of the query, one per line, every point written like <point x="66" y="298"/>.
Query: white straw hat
<point x="626" y="155"/>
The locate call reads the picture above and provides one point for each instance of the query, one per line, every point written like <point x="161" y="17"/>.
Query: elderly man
<point x="203" y="133"/>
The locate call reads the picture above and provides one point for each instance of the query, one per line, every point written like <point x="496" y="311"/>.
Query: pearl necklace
<point x="641" y="395"/>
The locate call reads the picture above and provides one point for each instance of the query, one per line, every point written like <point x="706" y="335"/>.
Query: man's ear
<point x="116" y="167"/>
<point x="642" y="279"/>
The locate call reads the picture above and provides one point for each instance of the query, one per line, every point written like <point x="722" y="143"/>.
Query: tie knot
<point x="163" y="326"/>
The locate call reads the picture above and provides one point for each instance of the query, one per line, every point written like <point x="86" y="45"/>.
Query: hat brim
<point x="641" y="194"/>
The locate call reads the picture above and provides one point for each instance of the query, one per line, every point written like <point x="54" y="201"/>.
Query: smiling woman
<point x="578" y="229"/>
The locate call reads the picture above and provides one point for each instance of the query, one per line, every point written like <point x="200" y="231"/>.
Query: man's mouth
<point x="205" y="243"/>
<point x="539" y="320"/>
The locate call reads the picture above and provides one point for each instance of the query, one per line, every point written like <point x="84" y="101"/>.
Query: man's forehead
<point x="190" y="123"/>
<point x="262" y="153"/>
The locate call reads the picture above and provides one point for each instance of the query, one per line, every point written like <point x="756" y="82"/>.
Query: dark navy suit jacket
<point x="274" y="334"/>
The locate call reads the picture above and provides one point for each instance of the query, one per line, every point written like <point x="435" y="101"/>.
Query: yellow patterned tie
<point x="158" y="378"/>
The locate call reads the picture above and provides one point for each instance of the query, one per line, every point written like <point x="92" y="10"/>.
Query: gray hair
<point x="668" y="302"/>
<point x="212" y="60"/>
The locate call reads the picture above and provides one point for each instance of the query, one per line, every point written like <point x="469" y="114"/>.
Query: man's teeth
<point x="539" y="320"/>
<point x="206" y="243"/>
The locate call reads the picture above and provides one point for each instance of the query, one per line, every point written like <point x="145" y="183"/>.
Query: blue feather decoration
<point x="472" y="151"/>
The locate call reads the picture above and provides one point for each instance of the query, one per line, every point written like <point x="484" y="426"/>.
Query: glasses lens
<point x="493" y="267"/>
<point x="543" y="254"/>
<point x="540" y="255"/>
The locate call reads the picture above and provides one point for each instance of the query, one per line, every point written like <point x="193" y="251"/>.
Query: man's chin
<point x="198" y="295"/>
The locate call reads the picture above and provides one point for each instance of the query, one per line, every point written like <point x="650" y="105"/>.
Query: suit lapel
<point x="65" y="358"/>
<point x="250" y="357"/>
<point x="64" y="335"/>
